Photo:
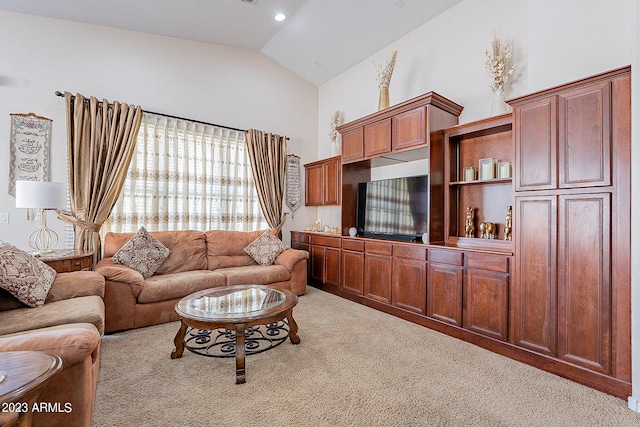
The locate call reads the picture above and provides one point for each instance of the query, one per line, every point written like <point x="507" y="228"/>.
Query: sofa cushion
<point x="265" y="249"/>
<point x="177" y="285"/>
<point x="226" y="248"/>
<point x="142" y="253"/>
<point x="188" y="249"/>
<point x="89" y="309"/>
<point x="8" y="301"/>
<point x="255" y="274"/>
<point x="24" y="276"/>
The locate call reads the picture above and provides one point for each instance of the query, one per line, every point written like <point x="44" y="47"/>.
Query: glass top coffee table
<point x="236" y="311"/>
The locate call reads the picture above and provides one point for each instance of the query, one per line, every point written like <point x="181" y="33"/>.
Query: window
<point x="187" y="176"/>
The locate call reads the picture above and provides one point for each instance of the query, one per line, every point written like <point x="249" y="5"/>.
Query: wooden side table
<point x="24" y="375"/>
<point x="66" y="260"/>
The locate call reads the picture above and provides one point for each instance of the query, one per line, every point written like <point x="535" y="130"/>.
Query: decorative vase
<point x="335" y="148"/>
<point x="383" y="100"/>
<point x="498" y="104"/>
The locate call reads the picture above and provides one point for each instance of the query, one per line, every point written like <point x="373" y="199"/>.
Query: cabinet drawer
<point x="353" y="245"/>
<point x="411" y="252"/>
<point x="378" y="248"/>
<point x="446" y="257"/>
<point x="332" y="242"/>
<point x="300" y="237"/>
<point x="488" y="262"/>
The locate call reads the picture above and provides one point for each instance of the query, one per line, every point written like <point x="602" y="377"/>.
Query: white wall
<point x="634" y="400"/>
<point x="554" y="42"/>
<point x="233" y="87"/>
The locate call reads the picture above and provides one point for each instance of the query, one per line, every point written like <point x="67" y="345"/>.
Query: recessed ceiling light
<point x="280" y="17"/>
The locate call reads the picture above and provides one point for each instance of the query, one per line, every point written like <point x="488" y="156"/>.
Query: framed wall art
<point x="30" y="137"/>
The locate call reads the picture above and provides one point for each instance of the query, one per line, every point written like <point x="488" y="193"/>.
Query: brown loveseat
<point x="69" y="325"/>
<point x="198" y="260"/>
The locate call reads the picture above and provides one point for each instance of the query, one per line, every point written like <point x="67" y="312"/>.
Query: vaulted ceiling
<point x="318" y="40"/>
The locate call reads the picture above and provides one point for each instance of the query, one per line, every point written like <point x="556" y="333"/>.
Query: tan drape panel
<point x="268" y="157"/>
<point x="101" y="141"/>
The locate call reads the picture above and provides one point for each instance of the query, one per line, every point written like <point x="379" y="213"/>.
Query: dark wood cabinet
<point x="584" y="278"/>
<point x="352" y="266"/>
<point x="323" y="182"/>
<point x="409" y="278"/>
<point x="325" y="259"/>
<point x="377" y="271"/>
<point x="353" y="145"/>
<point x="535" y="134"/>
<point x="409" y="129"/>
<point x="444" y="290"/>
<point x="486" y="295"/>
<point x="377" y="138"/>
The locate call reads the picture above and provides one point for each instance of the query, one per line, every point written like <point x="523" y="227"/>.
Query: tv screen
<point x="394" y="208"/>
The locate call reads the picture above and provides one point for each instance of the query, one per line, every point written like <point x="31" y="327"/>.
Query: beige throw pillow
<point x="265" y="249"/>
<point x="143" y="253"/>
<point x="24" y="276"/>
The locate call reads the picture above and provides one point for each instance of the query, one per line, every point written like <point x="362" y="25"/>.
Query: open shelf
<point x="465" y="145"/>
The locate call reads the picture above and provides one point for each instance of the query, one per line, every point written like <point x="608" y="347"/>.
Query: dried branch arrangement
<point x="384" y="73"/>
<point x="497" y="63"/>
<point x="334" y="122"/>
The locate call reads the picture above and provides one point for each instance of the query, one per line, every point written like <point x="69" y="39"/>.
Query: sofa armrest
<point x="76" y="284"/>
<point x="290" y="257"/>
<point x="73" y="343"/>
<point x="120" y="273"/>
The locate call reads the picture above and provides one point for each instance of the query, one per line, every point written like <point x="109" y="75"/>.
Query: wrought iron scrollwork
<point x="222" y="342"/>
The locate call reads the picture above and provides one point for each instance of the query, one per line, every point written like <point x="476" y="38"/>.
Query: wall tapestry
<point x="292" y="195"/>
<point x="29" y="144"/>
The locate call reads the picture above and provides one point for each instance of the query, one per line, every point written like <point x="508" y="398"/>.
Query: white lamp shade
<point x="40" y="194"/>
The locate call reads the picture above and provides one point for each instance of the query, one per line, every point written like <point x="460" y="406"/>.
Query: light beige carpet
<point x="355" y="366"/>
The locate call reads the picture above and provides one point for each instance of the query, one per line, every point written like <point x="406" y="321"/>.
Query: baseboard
<point x="634" y="404"/>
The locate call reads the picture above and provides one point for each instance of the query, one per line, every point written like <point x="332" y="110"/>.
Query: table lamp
<point x="41" y="195"/>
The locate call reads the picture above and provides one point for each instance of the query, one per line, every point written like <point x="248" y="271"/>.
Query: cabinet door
<point x="317" y="263"/>
<point x="353" y="145"/>
<point x="584" y="284"/>
<point x="533" y="297"/>
<point x="314" y="184"/>
<point x="584" y="137"/>
<point x="486" y="306"/>
<point x="377" y="138"/>
<point x="536" y="144"/>
<point x="353" y="271"/>
<point x="409" y="129"/>
<point x="377" y="277"/>
<point x="409" y="285"/>
<point x="331" y="182"/>
<point x="332" y="266"/>
<point x="444" y="293"/>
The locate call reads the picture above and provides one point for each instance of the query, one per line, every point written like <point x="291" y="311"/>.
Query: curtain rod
<point x="58" y="93"/>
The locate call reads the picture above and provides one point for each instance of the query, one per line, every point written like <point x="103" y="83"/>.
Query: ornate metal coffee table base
<point x="222" y="342"/>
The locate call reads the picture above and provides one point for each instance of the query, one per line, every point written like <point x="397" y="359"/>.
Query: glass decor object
<point x="487" y="168"/>
<point x="504" y="170"/>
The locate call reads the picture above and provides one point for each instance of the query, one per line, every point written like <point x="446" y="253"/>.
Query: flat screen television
<point x="394" y="209"/>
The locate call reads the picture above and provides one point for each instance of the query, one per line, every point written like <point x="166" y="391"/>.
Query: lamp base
<point x="43" y="239"/>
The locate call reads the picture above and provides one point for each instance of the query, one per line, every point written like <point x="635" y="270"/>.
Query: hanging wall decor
<point x="293" y="195"/>
<point x="30" y="136"/>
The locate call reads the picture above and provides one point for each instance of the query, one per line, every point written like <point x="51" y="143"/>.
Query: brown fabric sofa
<point x="69" y="325"/>
<point x="198" y="261"/>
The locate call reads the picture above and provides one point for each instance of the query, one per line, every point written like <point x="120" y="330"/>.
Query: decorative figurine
<point x="507" y="224"/>
<point x="469" y="228"/>
<point x="487" y="230"/>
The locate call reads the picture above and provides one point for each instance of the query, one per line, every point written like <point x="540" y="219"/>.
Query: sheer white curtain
<point x="187" y="176"/>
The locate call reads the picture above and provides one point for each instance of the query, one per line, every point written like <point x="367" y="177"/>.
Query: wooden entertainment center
<point x="556" y="296"/>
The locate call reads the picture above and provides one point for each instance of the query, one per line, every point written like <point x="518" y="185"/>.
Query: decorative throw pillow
<point x="265" y="249"/>
<point x="24" y="276"/>
<point x="143" y="253"/>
